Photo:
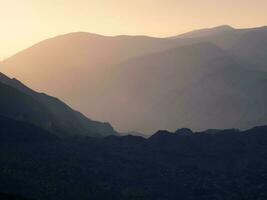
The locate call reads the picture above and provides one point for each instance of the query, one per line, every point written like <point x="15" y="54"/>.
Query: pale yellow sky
<point x="25" y="22"/>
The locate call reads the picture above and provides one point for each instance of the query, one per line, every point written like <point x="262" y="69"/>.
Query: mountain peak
<point x="160" y="134"/>
<point x="223" y="27"/>
<point x="205" y="32"/>
<point x="184" y="132"/>
<point x="80" y="35"/>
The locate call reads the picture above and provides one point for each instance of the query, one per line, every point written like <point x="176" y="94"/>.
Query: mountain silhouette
<point x="21" y="103"/>
<point x="144" y="84"/>
<point x="206" y="32"/>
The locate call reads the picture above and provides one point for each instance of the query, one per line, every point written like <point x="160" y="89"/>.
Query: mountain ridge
<point x="90" y="67"/>
<point x="54" y="111"/>
<point x="204" y="32"/>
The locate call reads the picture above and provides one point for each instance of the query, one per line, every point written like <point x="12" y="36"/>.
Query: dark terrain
<point x="226" y="164"/>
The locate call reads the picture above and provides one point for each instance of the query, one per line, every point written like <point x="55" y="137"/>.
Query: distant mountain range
<point x="21" y="103"/>
<point x="215" y="164"/>
<point x="212" y="78"/>
<point x="205" y="32"/>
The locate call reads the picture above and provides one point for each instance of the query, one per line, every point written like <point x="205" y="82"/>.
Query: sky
<point x="26" y="22"/>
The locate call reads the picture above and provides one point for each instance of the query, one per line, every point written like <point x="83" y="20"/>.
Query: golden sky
<point x="25" y="22"/>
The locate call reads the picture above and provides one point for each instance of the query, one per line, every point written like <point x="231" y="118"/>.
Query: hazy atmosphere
<point x="25" y="22"/>
<point x="133" y="100"/>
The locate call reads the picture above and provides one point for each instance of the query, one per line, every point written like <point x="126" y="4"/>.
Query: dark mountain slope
<point x="22" y="103"/>
<point x="13" y="131"/>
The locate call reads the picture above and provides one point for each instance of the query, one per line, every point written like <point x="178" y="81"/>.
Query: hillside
<point x="21" y="103"/>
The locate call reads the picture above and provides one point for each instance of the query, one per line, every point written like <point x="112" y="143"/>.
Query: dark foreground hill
<point x="217" y="164"/>
<point x="11" y="197"/>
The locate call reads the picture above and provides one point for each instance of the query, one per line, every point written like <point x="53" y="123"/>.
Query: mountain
<point x="248" y="45"/>
<point x="229" y="97"/>
<point x="252" y="48"/>
<point x="21" y="103"/>
<point x="195" y="87"/>
<point x="143" y="84"/>
<point x="74" y="65"/>
<point x="206" y="32"/>
<point x="228" y="164"/>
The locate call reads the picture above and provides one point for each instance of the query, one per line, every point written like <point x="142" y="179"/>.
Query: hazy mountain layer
<point x="137" y="82"/>
<point x="249" y="45"/>
<point x="142" y="85"/>
<point x="229" y="97"/>
<point x="67" y="65"/>
<point x="206" y="32"/>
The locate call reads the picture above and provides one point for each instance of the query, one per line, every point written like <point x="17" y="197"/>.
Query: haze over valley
<point x="140" y="83"/>
<point x="133" y="100"/>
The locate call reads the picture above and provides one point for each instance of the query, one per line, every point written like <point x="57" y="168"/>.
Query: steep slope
<point x="22" y="103"/>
